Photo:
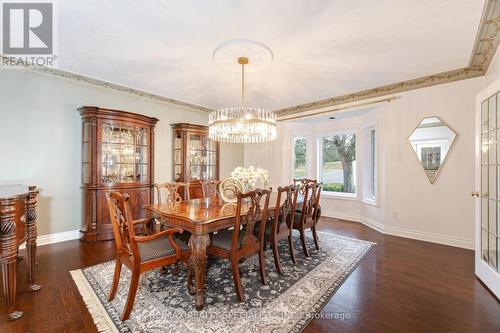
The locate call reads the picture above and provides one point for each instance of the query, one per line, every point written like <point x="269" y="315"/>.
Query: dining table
<point x="200" y="217"/>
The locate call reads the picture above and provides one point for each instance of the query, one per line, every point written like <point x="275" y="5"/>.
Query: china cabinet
<point x="196" y="157"/>
<point x="117" y="154"/>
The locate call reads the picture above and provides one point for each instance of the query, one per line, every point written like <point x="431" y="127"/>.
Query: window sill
<point x="341" y="196"/>
<point x="369" y="201"/>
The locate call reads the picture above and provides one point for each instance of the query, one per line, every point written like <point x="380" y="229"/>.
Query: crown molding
<point x="488" y="36"/>
<point x="56" y="72"/>
<point x="425" y="81"/>
<point x="485" y="46"/>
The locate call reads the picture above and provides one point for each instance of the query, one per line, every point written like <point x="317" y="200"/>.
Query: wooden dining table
<point x="200" y="217"/>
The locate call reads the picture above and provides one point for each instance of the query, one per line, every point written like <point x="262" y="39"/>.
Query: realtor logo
<point x="27" y="28"/>
<point x="28" y="33"/>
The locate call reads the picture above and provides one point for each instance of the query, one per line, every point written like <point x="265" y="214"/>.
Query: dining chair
<point x="140" y="253"/>
<point x="210" y="188"/>
<point x="171" y="193"/>
<point x="301" y="183"/>
<point x="240" y="243"/>
<point x="279" y="226"/>
<point x="309" y="214"/>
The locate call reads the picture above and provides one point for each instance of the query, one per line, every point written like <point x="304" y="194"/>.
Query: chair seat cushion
<point x="159" y="248"/>
<point x="296" y="220"/>
<point x="269" y="226"/>
<point x="224" y="238"/>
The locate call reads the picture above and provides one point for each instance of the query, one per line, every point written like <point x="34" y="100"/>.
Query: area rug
<point x="286" y="304"/>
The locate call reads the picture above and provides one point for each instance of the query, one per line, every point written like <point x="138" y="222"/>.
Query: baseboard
<point x="56" y="238"/>
<point x="402" y="232"/>
<point x="430" y="237"/>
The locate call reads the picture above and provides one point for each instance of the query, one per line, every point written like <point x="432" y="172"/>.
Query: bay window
<point x="337" y="163"/>
<point x="299" y="157"/>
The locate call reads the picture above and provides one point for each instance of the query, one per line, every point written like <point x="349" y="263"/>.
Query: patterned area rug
<point x="286" y="304"/>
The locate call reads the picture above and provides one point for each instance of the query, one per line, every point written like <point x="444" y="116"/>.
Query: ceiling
<point x="321" y="48"/>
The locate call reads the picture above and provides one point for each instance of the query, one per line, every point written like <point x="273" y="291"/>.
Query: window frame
<point x="307" y="159"/>
<point x="319" y="164"/>
<point x="370" y="178"/>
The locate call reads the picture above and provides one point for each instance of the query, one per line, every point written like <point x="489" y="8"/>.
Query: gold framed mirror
<point x="431" y="142"/>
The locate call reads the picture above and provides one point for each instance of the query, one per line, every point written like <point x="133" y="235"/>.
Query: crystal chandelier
<point x="242" y="124"/>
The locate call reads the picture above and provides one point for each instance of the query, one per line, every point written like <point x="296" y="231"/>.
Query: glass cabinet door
<point x="202" y="157"/>
<point x="490" y="184"/>
<point x="178" y="162"/>
<point x="124" y="153"/>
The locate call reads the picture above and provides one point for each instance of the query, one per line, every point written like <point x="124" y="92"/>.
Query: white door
<point x="487" y="192"/>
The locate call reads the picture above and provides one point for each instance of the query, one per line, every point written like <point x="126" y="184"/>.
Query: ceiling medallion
<point x="242" y="124"/>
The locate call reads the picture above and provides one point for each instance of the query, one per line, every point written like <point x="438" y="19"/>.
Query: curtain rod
<point x="340" y="108"/>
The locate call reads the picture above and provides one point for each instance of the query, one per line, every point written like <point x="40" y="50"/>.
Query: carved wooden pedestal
<point x="17" y="225"/>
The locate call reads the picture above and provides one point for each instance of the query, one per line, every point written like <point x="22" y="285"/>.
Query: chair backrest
<point x="302" y="182"/>
<point x="170" y="193"/>
<point x="121" y="220"/>
<point x="255" y="210"/>
<point x="210" y="188"/>
<point x="287" y="210"/>
<point x="310" y="204"/>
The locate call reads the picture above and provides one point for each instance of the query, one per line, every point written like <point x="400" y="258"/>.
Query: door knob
<point x="475" y="194"/>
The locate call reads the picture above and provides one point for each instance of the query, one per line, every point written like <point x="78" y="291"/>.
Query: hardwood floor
<point x="402" y="285"/>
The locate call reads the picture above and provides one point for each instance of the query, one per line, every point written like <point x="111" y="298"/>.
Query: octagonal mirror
<point x="431" y="141"/>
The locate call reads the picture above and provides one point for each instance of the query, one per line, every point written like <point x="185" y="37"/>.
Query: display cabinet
<point x="117" y="154"/>
<point x="196" y="157"/>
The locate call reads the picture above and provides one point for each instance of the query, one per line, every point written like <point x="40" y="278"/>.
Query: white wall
<point x="40" y="139"/>
<point x="407" y="204"/>
<point x="443" y="210"/>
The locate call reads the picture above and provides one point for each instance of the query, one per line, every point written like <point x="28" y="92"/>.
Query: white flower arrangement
<point x="251" y="177"/>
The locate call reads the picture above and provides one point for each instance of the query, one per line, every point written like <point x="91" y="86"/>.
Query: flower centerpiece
<point x="251" y="177"/>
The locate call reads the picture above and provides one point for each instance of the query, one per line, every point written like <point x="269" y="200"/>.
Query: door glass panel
<point x="85" y="152"/>
<point x="110" y="173"/>
<point x="142" y="172"/>
<point x="492" y="148"/>
<point x="484" y="245"/>
<point x="492" y="112"/>
<point x="127" y="136"/>
<point x="142" y="136"/>
<point x="492" y="181"/>
<point x="127" y="154"/>
<point x="110" y="133"/>
<point x="484" y="213"/>
<point x="492" y="251"/>
<point x="177" y="156"/>
<point x="484" y="117"/>
<point x="127" y="173"/>
<point x="142" y="155"/>
<point x="484" y="149"/>
<point x="85" y="173"/>
<point x="492" y="215"/>
<point x="484" y="180"/>
<point x="498" y="254"/>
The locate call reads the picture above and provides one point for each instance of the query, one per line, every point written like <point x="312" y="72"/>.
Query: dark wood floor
<point x="401" y="286"/>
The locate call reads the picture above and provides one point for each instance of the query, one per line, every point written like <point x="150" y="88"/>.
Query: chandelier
<point x="242" y="124"/>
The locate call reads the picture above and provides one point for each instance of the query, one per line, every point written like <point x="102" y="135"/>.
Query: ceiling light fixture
<point x="242" y="124"/>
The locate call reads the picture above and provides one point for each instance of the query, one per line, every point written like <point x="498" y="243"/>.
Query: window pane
<point x="372" y="163"/>
<point x="300" y="153"/>
<point x="338" y="165"/>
